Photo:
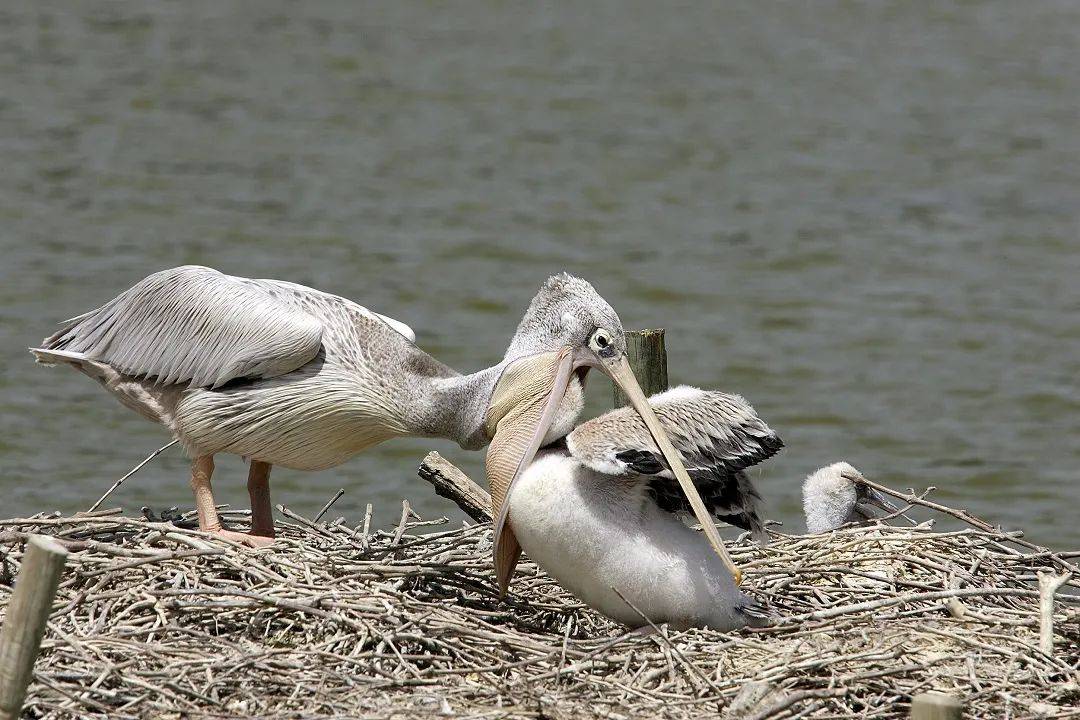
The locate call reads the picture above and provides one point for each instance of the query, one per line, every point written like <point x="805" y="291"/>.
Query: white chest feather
<point x="594" y="533"/>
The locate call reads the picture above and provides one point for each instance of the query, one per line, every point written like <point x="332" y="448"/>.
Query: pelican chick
<point x="836" y="495"/>
<point x="601" y="512"/>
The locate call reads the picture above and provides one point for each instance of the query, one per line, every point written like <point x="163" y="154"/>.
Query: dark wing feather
<point x="729" y="497"/>
<point x="642" y="462"/>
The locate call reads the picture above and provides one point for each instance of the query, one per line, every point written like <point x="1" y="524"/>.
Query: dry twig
<point x="154" y="619"/>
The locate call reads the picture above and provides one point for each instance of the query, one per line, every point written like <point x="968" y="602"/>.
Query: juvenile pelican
<point x="837" y="495"/>
<point x="286" y="374"/>
<point x="600" y="510"/>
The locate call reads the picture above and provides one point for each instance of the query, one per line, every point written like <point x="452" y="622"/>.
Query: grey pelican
<point x="284" y="374"/>
<point x="600" y="512"/>
<point x="837" y="495"/>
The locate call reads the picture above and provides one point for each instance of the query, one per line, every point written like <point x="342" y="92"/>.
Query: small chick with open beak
<point x="837" y="495"/>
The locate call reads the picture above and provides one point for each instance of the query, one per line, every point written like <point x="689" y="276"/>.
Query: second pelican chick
<point x="836" y="495"/>
<point x="603" y="511"/>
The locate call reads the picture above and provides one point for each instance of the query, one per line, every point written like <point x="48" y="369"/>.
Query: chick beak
<point x="873" y="497"/>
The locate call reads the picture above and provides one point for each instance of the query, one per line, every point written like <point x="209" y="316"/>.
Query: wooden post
<point x="27" y="612"/>
<point x="1048" y="585"/>
<point x="648" y="359"/>
<point x="936" y="706"/>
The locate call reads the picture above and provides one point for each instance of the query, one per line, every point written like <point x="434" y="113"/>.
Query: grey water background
<point x="864" y="217"/>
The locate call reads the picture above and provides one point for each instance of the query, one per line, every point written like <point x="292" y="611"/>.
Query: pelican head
<point x="567" y="330"/>
<point x="838" y="494"/>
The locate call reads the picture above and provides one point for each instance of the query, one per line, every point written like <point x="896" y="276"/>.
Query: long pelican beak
<point x="521" y="410"/>
<point x="621" y="374"/>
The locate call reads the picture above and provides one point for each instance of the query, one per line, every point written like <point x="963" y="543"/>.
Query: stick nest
<point x="154" y="619"/>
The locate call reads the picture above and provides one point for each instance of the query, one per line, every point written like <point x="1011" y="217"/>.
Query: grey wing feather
<point x="718" y="436"/>
<point x="709" y="429"/>
<point x="194" y="325"/>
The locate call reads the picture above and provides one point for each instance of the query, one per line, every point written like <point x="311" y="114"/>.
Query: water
<point x="862" y="216"/>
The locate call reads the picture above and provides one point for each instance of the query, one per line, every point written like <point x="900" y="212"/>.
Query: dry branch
<point x="158" y="620"/>
<point x="452" y="483"/>
<point x="129" y="473"/>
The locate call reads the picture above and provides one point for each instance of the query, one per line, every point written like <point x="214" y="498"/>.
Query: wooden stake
<point x="936" y="706"/>
<point x="648" y="359"/>
<point x="27" y="612"/>
<point x="1048" y="585"/>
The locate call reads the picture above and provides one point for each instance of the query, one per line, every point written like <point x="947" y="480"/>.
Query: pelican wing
<point x="718" y="435"/>
<point x="195" y="325"/>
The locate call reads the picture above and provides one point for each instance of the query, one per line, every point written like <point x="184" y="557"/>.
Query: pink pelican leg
<point x="201" y="471"/>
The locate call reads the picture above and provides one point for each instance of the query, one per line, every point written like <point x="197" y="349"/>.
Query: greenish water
<point x="864" y="217"/>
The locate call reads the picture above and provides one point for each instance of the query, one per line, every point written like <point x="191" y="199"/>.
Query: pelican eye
<point x="601" y="343"/>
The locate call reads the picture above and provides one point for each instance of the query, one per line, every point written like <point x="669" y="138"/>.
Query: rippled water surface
<point x="865" y="217"/>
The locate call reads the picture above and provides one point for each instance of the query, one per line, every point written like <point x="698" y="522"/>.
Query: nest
<point x="154" y="619"/>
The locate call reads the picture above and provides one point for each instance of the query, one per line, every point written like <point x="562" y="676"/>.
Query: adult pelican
<point x="601" y="514"/>
<point x="284" y="374"/>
